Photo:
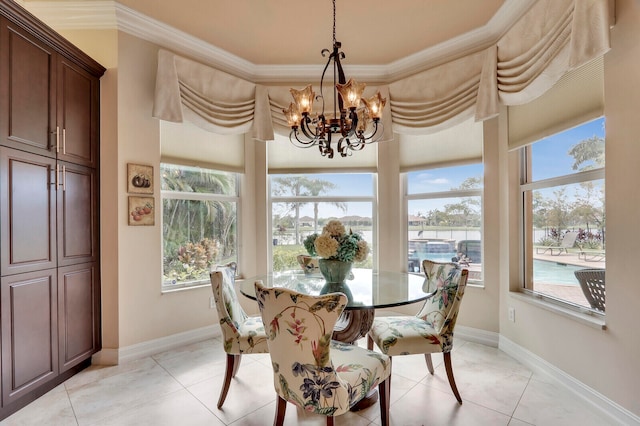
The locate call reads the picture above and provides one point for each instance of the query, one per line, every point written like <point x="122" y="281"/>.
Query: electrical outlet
<point x="512" y="314"/>
<point x="212" y="303"/>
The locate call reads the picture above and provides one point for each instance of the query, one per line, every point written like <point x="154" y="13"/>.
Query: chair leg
<point x="281" y="408"/>
<point x="236" y="364"/>
<point x="452" y="381"/>
<point x="229" y="372"/>
<point x="427" y="358"/>
<point x="369" y="343"/>
<point x="384" y="389"/>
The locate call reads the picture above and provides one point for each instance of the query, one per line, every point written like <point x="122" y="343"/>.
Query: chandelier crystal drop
<point x="356" y="121"/>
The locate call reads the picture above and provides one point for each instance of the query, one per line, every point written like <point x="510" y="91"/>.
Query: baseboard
<point x="105" y="357"/>
<point x="152" y="347"/>
<point x="538" y="365"/>
<point x="488" y="338"/>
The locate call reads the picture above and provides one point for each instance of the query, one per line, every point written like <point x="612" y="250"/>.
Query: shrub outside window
<point x="199" y="223"/>
<point x="444" y="221"/>
<point x="302" y="204"/>
<point x="563" y="188"/>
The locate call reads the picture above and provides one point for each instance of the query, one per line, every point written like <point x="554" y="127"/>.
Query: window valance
<point x="553" y="37"/>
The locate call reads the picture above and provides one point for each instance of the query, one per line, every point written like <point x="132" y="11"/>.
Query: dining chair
<point x="310" y="370"/>
<point x="431" y="329"/>
<point x="241" y="333"/>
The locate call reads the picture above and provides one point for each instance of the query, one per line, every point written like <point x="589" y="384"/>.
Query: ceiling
<point x="295" y="31"/>
<point x="394" y="38"/>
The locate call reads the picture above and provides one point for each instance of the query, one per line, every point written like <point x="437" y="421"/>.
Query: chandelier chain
<point x="334" y="21"/>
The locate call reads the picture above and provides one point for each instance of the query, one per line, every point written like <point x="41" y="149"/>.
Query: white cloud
<point x="438" y="181"/>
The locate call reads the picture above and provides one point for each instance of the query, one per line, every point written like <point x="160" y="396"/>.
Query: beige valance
<point x="213" y="100"/>
<point x="553" y="37"/>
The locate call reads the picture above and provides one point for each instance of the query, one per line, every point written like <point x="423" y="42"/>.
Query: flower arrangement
<point x="336" y="244"/>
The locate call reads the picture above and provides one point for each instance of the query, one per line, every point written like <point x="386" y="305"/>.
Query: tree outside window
<point x="199" y="222"/>
<point x="563" y="190"/>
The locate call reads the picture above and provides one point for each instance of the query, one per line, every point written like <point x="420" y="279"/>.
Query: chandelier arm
<point x="325" y="147"/>
<point x="374" y="136"/>
<point x="294" y="137"/>
<point x="306" y="130"/>
<point x="323" y="73"/>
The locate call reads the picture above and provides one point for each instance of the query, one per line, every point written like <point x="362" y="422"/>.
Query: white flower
<point x="363" y="251"/>
<point x="326" y="246"/>
<point x="334" y="228"/>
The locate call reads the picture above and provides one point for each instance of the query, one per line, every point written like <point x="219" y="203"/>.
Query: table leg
<point x="352" y="325"/>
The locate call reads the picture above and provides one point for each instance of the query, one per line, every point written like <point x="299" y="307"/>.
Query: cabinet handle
<point x="64" y="178"/>
<point x="54" y="179"/>
<point x="64" y="141"/>
<point x="57" y="138"/>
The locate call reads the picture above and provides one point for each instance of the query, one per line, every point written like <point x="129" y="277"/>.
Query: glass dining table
<point x="367" y="290"/>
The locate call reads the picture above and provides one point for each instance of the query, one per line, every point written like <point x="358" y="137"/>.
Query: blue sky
<point x="550" y="158"/>
<point x="550" y="155"/>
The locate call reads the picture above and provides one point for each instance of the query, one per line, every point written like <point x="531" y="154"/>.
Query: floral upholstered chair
<point x="310" y="370"/>
<point x="431" y="330"/>
<point x="241" y="333"/>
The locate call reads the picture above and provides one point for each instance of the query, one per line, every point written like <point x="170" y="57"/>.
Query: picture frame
<point x="141" y="211"/>
<point x="139" y="179"/>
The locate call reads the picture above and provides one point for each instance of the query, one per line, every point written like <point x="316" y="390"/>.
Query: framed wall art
<point x="141" y="211"/>
<point x="139" y="179"/>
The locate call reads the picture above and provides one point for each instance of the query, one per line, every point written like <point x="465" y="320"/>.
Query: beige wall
<point x="606" y="361"/>
<point x="134" y="310"/>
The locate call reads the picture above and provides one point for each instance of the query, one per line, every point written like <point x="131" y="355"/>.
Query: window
<point x="302" y="204"/>
<point x="562" y="185"/>
<point x="444" y="220"/>
<point x="199" y="223"/>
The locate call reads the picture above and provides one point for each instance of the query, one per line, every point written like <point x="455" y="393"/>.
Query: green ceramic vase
<point x="335" y="274"/>
<point x="335" y="271"/>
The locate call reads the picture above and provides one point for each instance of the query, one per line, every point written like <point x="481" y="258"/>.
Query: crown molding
<point x="109" y="14"/>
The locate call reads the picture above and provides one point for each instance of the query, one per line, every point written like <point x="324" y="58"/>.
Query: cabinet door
<point x="27" y="212"/>
<point x="79" y="325"/>
<point x="29" y="332"/>
<point x="78" y="114"/>
<point x="77" y="214"/>
<point x="27" y="91"/>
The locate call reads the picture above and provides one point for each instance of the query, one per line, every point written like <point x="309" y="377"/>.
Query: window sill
<point x="176" y="289"/>
<point x="585" y="317"/>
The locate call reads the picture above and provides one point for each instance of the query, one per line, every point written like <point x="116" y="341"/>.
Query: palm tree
<point x="193" y="220"/>
<point x="302" y="186"/>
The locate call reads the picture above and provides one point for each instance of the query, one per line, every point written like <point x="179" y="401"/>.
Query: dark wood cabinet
<point x="49" y="204"/>
<point x="27" y="212"/>
<point x="27" y="70"/>
<point x="77" y="123"/>
<point x="78" y="314"/>
<point x="29" y="332"/>
<point x="51" y="103"/>
<point x="77" y="217"/>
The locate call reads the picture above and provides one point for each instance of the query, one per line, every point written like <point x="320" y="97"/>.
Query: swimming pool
<point x="554" y="273"/>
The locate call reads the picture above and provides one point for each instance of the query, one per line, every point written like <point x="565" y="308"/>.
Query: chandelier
<point x="355" y="126"/>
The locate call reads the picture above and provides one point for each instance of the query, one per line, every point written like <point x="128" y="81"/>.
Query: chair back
<point x="299" y="329"/>
<point x="436" y="272"/>
<point x="441" y="309"/>
<point x="569" y="239"/>
<point x="592" y="284"/>
<point x="230" y="312"/>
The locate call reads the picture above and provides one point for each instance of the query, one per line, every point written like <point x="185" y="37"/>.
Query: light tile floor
<point x="181" y="387"/>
